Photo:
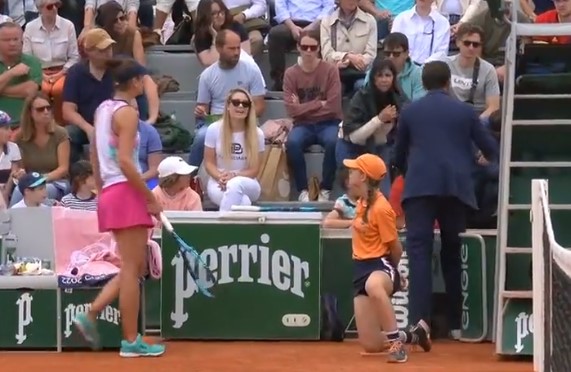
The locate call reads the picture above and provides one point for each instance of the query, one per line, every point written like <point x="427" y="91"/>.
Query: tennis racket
<point x="255" y="208"/>
<point x="198" y="269"/>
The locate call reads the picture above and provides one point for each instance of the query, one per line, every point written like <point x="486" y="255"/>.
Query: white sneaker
<point x="455" y="334"/>
<point x="323" y="195"/>
<point x="303" y="196"/>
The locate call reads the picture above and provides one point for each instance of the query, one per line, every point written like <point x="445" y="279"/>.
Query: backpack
<point x="174" y="137"/>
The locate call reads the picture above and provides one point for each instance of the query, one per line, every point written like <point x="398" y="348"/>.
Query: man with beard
<point x="20" y="74"/>
<point x="231" y="71"/>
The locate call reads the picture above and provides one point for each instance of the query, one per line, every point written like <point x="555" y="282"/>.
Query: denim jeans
<point x="383" y="28"/>
<point x="77" y="138"/>
<point x="348" y="150"/>
<point x="197" y="148"/>
<point x="300" y="138"/>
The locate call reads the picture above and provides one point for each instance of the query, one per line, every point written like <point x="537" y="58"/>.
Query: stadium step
<point x="542" y="96"/>
<point x="518" y="250"/>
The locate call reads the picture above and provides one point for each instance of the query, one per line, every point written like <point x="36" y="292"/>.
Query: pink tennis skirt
<point x="120" y="206"/>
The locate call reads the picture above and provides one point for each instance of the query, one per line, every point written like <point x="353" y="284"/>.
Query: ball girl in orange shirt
<point x="376" y="254"/>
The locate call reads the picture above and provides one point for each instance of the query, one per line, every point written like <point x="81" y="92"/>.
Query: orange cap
<point x="371" y="165"/>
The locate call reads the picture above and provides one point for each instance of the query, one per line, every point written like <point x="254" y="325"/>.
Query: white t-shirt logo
<point x="237" y="149"/>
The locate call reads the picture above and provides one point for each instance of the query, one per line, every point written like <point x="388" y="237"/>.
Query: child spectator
<point x="33" y="188"/>
<point x="341" y="217"/>
<point x="9" y="157"/>
<point x="82" y="195"/>
<point x="173" y="192"/>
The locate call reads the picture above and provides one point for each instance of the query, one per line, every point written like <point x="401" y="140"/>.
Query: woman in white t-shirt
<point x="10" y="157"/>
<point x="233" y="153"/>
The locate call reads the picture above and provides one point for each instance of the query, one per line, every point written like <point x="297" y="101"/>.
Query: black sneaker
<point x="422" y="331"/>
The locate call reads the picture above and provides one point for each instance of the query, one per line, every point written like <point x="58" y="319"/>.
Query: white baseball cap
<point x="174" y="165"/>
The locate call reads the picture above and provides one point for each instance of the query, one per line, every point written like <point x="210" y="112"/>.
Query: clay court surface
<point x="268" y="357"/>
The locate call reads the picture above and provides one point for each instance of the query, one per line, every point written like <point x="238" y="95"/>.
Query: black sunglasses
<point x="237" y="103"/>
<point x="475" y="44"/>
<point x="308" y="48"/>
<point x="41" y="109"/>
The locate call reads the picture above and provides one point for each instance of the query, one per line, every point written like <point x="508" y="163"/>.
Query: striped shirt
<point x="71" y="201"/>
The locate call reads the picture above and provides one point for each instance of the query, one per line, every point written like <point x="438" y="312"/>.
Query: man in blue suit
<point x="434" y="150"/>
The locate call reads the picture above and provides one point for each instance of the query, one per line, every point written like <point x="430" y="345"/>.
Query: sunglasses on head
<point x="475" y="44"/>
<point x="308" y="48"/>
<point x="239" y="102"/>
<point x="52" y="6"/>
<point x="392" y="53"/>
<point x="41" y="109"/>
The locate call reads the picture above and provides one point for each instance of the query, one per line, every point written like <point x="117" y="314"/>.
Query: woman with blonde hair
<point x="44" y="146"/>
<point x="232" y="153"/>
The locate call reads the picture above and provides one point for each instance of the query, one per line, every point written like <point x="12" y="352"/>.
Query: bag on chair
<point x="174" y="137"/>
<point x="274" y="174"/>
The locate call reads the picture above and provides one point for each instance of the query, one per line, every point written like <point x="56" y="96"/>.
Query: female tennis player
<point x="376" y="254"/>
<point x="124" y="208"/>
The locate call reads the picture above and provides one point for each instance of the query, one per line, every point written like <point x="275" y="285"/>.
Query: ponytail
<point x="372" y="187"/>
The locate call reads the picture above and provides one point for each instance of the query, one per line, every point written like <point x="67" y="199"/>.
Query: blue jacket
<point x="434" y="147"/>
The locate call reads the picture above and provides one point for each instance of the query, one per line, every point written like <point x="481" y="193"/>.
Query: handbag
<point x="182" y="34"/>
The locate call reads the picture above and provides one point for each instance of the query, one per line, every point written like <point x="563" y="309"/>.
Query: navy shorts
<point x="362" y="269"/>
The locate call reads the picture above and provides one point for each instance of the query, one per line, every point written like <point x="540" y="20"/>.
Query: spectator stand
<point x="536" y="123"/>
<point x="37" y="313"/>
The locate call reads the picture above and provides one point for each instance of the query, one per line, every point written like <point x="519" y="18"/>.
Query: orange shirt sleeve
<point x="395" y="199"/>
<point x="193" y="202"/>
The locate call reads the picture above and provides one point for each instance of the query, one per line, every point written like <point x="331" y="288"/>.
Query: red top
<point x="551" y="16"/>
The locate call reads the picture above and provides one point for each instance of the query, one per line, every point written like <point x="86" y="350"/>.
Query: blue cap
<point x="30" y="180"/>
<point x="5" y="119"/>
<point x="137" y="70"/>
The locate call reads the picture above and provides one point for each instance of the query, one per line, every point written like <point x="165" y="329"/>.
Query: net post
<point x="538" y="197"/>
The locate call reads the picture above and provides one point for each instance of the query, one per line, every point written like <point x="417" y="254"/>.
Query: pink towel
<point x="81" y="249"/>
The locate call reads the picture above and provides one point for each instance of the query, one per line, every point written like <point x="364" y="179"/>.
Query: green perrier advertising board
<point x="268" y="282"/>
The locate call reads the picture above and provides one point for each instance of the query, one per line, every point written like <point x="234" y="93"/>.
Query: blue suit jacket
<point x="434" y="147"/>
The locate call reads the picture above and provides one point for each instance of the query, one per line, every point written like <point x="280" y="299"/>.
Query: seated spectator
<point x="341" y="217"/>
<point x="409" y="74"/>
<point x="252" y="15"/>
<point x="312" y="96"/>
<point x="428" y="32"/>
<point x="212" y="16"/>
<point x="349" y="40"/>
<point x="22" y="11"/>
<point x="10" y="158"/>
<point x="384" y="12"/>
<point x="44" y="146"/>
<point x="369" y="123"/>
<point x="173" y="192"/>
<point x="87" y="85"/>
<point x="292" y="16"/>
<point x="455" y="10"/>
<point x="131" y="7"/>
<point x="150" y="151"/>
<point x="561" y="14"/>
<point x="233" y="153"/>
<point x="474" y="80"/>
<point x="531" y="8"/>
<point x="129" y="43"/>
<point x="163" y="10"/>
<point x="20" y="73"/>
<point x="52" y="40"/>
<point x="82" y="195"/>
<point x="232" y="70"/>
<point x="32" y="187"/>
